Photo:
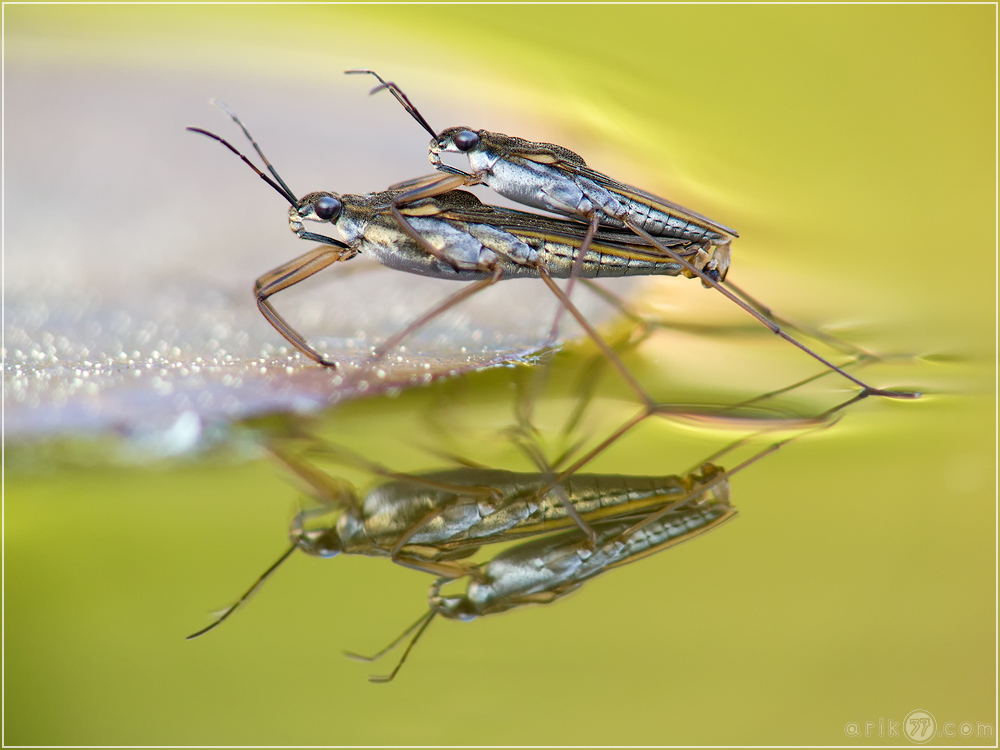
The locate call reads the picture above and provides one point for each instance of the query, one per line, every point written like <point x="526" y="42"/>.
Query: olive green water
<point x="853" y="147"/>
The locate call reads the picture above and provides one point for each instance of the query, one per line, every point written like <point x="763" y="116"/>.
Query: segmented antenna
<point x="256" y="148"/>
<point x="282" y="190"/>
<point x="400" y="97"/>
<point x="249" y="592"/>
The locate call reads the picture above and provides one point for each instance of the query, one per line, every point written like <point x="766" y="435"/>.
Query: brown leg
<point x="495" y="275"/>
<point x="420" y="626"/>
<point x="426" y="187"/>
<point x="287" y="275"/>
<point x="588" y="239"/>
<point x="350" y="458"/>
<point x="602" y="345"/>
<point x="774" y="327"/>
<point x="553" y="485"/>
<point x="329" y="491"/>
<point x="815" y="333"/>
<point x="445" y="570"/>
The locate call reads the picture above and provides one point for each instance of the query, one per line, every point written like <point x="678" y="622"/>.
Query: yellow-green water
<point x="852" y="146"/>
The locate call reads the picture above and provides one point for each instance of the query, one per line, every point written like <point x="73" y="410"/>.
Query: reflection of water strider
<point x="431" y="521"/>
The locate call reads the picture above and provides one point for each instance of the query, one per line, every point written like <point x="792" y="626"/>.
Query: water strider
<point x="553" y="178"/>
<point x="453" y="235"/>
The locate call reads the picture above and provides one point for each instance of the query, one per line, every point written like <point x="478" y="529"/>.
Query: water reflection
<point x="436" y="521"/>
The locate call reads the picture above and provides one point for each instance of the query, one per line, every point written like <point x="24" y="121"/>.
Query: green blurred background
<point x="854" y="149"/>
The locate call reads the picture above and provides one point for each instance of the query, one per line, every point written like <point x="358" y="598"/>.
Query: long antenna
<point x="282" y="190"/>
<point x="256" y="148"/>
<point x="400" y="97"/>
<point x="277" y="183"/>
<point x="249" y="592"/>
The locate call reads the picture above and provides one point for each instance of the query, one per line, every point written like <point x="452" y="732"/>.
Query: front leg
<point x="287" y="275"/>
<point x="421" y="189"/>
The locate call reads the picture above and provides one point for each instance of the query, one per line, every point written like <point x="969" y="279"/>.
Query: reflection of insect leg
<point x="833" y="341"/>
<point x="349" y="458"/>
<point x="522" y="438"/>
<point x="329" y="491"/>
<point x="422" y="623"/>
<point x="820" y="421"/>
<point x="285" y="276"/>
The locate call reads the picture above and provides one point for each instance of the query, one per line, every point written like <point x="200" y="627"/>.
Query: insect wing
<point x="463" y="207"/>
<point x="640" y="196"/>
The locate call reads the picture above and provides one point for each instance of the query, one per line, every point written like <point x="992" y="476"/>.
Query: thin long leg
<point x="477" y="286"/>
<point x="350" y="458"/>
<point x="820" y="419"/>
<point x="724" y="477"/>
<point x="595" y="452"/>
<point x="629" y="312"/>
<point x="646" y="412"/>
<point x="861" y="357"/>
<point x="567" y="454"/>
<point x="601" y="343"/>
<point x="805" y="381"/>
<point x="287" y="275"/>
<point x="454" y="458"/>
<point x="823" y="422"/>
<point x="591" y="374"/>
<point x="613" y="299"/>
<point x="427" y="187"/>
<point x="536" y="456"/>
<point x="574" y="274"/>
<point x="625" y="309"/>
<point x="376" y="656"/>
<point x="844" y="346"/>
<point x="402" y="660"/>
<point x="330" y="492"/>
<point x="774" y="327"/>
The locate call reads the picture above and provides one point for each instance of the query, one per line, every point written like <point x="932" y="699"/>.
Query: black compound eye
<point x="465" y="140"/>
<point x="326" y="208"/>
